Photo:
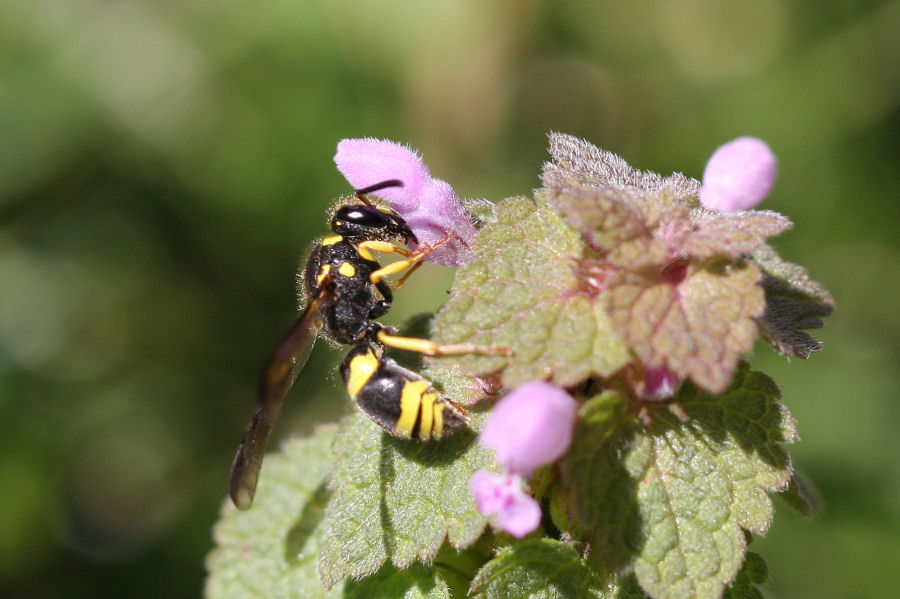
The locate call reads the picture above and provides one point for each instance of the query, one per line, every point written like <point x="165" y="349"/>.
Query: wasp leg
<point x="399" y="282"/>
<point x="382" y="247"/>
<point x="410" y="264"/>
<point x="430" y="348"/>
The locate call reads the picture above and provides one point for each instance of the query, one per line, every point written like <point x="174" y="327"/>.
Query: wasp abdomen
<point x="400" y="400"/>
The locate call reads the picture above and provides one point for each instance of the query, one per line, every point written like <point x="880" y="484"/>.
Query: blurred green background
<point x="164" y="166"/>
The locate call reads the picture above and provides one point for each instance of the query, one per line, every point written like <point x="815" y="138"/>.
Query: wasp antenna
<point x="361" y="193"/>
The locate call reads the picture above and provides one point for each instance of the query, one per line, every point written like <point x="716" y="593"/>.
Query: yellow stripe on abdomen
<point x="362" y="367"/>
<point x="427" y="420"/>
<point x="410" y="401"/>
<point x="438" y="428"/>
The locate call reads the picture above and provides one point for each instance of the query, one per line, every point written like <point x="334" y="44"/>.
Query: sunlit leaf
<point x="522" y="292"/>
<point x="674" y="500"/>
<point x="398" y="500"/>
<point x="271" y="549"/>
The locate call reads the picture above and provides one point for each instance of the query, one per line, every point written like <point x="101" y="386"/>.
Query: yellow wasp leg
<point x="365" y="249"/>
<point x="430" y="348"/>
<point x="410" y="264"/>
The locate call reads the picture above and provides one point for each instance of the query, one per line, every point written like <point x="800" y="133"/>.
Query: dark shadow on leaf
<point x="386" y="477"/>
<point x="390" y="582"/>
<point x="309" y="520"/>
<point x="605" y="495"/>
<point x="629" y="588"/>
<point x="748" y="411"/>
<point x="434" y="453"/>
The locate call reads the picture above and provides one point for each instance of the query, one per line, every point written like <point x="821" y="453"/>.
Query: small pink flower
<point x="531" y="427"/>
<point x="429" y="206"/>
<point x="502" y="496"/>
<point x="738" y="176"/>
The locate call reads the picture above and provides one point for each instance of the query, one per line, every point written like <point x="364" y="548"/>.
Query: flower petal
<point x="531" y="427"/>
<point x="739" y="175"/>
<point x="502" y="496"/>
<point x="368" y="161"/>
<point x="429" y="206"/>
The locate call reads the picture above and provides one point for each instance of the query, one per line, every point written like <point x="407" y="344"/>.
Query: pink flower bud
<point x="738" y="176"/>
<point x="429" y="206"/>
<point x="502" y="496"/>
<point x="659" y="383"/>
<point x="531" y="427"/>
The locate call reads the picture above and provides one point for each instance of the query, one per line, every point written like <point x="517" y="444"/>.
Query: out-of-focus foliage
<point x="164" y="165"/>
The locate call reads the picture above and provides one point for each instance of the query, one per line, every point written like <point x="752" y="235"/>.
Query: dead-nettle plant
<point x="623" y="449"/>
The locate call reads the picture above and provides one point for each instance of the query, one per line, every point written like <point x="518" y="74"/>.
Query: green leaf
<point x="803" y="496"/>
<point x="794" y="302"/>
<point x="398" y="500"/>
<point x="753" y="572"/>
<point x="270" y="550"/>
<point x="416" y="582"/>
<point x="673" y="499"/>
<point x="523" y="292"/>
<point x="540" y="569"/>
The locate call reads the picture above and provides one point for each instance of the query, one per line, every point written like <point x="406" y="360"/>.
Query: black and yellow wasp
<point x="346" y="289"/>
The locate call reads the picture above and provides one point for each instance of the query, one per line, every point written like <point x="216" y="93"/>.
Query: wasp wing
<point x="276" y="379"/>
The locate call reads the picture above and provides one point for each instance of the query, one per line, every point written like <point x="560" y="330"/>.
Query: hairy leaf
<point x="398" y="500"/>
<point x="270" y="550"/>
<point x="730" y="233"/>
<point x="619" y="223"/>
<point x="673" y="500"/>
<point x="753" y="572"/>
<point x="578" y="161"/>
<point x="542" y="568"/>
<point x="698" y="326"/>
<point x="803" y="496"/>
<point x="632" y="217"/>
<point x="522" y="292"/>
<point x="794" y="302"/>
<point x="416" y="582"/>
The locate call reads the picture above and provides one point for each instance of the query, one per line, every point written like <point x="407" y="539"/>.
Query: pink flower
<point x="502" y="496"/>
<point x="738" y="176"/>
<point x="429" y="206"/>
<point x="531" y="427"/>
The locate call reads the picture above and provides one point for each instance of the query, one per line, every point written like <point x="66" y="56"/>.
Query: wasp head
<point x="360" y="221"/>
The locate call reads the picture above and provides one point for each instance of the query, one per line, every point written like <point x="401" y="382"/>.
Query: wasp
<point x="346" y="290"/>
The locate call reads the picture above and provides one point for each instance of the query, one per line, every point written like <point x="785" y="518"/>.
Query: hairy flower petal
<point x="738" y="176"/>
<point x="502" y="496"/>
<point x="368" y="161"/>
<point x="531" y="427"/>
<point x="430" y="206"/>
